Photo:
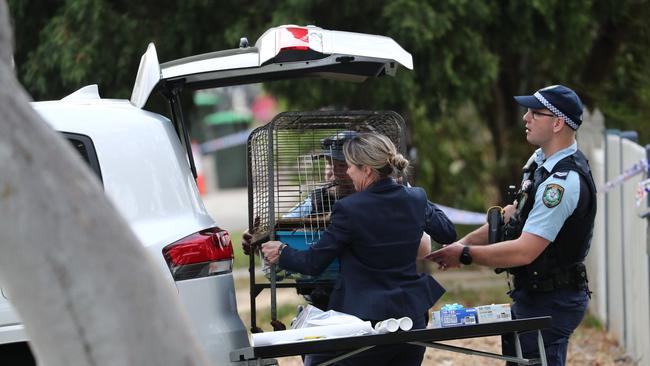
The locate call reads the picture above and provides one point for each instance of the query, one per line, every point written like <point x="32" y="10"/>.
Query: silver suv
<point x="145" y="163"/>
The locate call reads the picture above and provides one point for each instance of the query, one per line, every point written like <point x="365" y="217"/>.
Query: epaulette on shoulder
<point x="561" y="175"/>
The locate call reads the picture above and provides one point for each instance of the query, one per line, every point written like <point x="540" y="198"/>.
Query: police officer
<point x="549" y="228"/>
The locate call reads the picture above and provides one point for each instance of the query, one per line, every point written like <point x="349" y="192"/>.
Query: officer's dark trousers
<point x="566" y="306"/>
<point x="397" y="354"/>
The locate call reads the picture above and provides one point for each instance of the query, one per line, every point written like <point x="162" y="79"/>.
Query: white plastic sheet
<point x="311" y="333"/>
<point x="311" y="316"/>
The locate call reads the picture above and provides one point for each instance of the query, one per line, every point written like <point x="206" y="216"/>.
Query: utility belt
<point x="571" y="277"/>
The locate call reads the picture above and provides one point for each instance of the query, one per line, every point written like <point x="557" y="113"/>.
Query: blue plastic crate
<point x="302" y="240"/>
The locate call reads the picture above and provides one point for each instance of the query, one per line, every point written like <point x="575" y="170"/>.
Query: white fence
<point x="618" y="262"/>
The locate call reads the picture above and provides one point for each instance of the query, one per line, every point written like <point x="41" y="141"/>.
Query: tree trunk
<point x="87" y="291"/>
<point x="506" y="127"/>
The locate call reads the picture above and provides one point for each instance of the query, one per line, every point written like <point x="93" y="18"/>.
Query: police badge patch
<point x="552" y="195"/>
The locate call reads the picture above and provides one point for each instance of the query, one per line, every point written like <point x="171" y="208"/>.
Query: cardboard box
<point x="493" y="313"/>
<point x="458" y="317"/>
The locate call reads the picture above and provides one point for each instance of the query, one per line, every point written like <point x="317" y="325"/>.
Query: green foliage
<point x="451" y="152"/>
<point x="470" y="58"/>
<point x="68" y="44"/>
<point x="627" y="92"/>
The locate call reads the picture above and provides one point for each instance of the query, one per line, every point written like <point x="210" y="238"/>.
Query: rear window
<point x="84" y="146"/>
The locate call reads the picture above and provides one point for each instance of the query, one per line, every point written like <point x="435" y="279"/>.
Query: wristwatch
<point x="465" y="257"/>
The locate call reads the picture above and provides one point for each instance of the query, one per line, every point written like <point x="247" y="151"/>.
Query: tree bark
<point x="506" y="127"/>
<point x="87" y="291"/>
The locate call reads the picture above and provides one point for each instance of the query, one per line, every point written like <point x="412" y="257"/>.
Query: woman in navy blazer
<point x="376" y="234"/>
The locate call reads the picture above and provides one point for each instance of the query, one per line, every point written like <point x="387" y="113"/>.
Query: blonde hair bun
<point x="376" y="151"/>
<point x="398" y="162"/>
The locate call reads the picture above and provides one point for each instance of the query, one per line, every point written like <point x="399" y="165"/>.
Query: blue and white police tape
<point x="463" y="217"/>
<point x="224" y="142"/>
<point x="637" y="168"/>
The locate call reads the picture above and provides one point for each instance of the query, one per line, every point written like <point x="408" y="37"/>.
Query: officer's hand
<point x="508" y="211"/>
<point x="448" y="256"/>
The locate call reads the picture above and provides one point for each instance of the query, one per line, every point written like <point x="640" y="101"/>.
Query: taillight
<point x="294" y="39"/>
<point x="206" y="253"/>
<point x="297" y="44"/>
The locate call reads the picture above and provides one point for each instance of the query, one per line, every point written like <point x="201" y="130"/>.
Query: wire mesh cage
<point x="296" y="172"/>
<point x="296" y="169"/>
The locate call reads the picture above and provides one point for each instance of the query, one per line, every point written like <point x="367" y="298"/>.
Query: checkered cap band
<point x="556" y="111"/>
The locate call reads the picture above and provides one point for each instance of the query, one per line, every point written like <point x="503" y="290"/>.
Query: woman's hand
<point x="271" y="250"/>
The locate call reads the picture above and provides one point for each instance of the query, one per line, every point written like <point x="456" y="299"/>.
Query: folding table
<point x="348" y="346"/>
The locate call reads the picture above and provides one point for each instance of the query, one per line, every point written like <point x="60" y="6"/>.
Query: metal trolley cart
<point x="293" y="184"/>
<point x="349" y="346"/>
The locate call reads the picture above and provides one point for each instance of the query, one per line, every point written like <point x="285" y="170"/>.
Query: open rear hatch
<point x="282" y="52"/>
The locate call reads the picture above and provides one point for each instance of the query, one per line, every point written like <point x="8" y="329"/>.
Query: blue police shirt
<point x="556" y="198"/>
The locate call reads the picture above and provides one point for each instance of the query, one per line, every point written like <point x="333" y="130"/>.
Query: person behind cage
<point x="548" y="233"/>
<point x="376" y="234"/>
<point x="338" y="184"/>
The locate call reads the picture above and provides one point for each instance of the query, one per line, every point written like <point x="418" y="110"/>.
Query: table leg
<point x="518" y="345"/>
<point x="344" y="356"/>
